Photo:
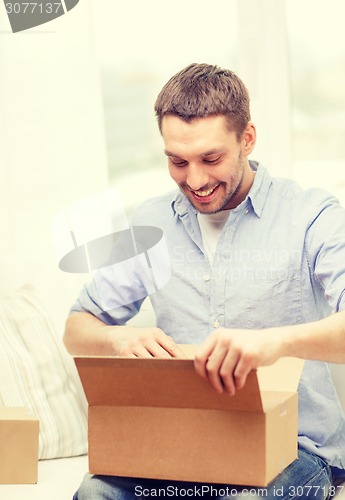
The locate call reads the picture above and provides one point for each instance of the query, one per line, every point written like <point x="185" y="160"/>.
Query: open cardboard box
<point x="156" y="418"/>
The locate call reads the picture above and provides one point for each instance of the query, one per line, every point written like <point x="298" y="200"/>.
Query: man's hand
<point x="143" y="343"/>
<point x="87" y="335"/>
<point x="228" y="355"/>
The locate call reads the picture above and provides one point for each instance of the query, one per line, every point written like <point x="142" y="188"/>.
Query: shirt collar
<point x="260" y="188"/>
<point x="256" y="196"/>
<point x="181" y="205"/>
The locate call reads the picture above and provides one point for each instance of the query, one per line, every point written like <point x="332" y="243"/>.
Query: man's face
<point x="207" y="161"/>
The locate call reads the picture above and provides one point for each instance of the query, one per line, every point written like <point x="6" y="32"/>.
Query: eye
<point x="177" y="161"/>
<point x="211" y="160"/>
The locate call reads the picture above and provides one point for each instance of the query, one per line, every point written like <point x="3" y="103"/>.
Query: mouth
<point x="205" y="196"/>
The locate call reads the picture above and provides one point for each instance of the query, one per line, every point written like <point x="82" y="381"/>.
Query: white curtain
<point x="52" y="148"/>
<point x="264" y="67"/>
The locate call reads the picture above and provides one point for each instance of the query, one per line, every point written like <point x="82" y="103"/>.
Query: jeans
<point x="307" y="477"/>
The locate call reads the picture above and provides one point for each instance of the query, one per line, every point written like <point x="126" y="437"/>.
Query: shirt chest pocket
<point x="264" y="298"/>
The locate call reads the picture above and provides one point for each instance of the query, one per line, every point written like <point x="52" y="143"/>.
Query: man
<point x="258" y="268"/>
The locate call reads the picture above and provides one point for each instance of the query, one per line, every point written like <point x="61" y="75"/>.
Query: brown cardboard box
<point x="158" y="419"/>
<point x="19" y="446"/>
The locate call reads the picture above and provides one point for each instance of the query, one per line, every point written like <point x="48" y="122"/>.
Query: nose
<point x="197" y="177"/>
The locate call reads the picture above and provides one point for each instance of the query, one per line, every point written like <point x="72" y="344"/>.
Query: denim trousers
<point x="309" y="477"/>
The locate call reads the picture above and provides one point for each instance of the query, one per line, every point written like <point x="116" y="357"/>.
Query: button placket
<point x="220" y="271"/>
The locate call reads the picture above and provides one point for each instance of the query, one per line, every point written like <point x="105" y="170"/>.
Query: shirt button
<point x="247" y="211"/>
<point x="207" y="277"/>
<point x="216" y="324"/>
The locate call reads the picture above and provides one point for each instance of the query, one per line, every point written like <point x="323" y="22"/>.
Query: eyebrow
<point x="207" y="153"/>
<point x="213" y="152"/>
<point x="168" y="153"/>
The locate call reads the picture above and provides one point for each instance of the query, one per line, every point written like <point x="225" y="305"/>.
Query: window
<point x="138" y="48"/>
<point x="289" y="53"/>
<point x="317" y="66"/>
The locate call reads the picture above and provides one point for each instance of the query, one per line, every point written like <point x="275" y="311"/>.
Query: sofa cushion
<point x="37" y="372"/>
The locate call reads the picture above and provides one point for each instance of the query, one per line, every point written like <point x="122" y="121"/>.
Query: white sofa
<point x="58" y="479"/>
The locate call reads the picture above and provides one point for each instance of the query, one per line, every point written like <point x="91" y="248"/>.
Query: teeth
<point x="205" y="193"/>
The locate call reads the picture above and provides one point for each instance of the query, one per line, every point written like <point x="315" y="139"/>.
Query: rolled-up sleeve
<point x="89" y="301"/>
<point x="325" y="247"/>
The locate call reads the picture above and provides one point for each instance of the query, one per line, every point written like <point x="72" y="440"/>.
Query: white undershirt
<point x="211" y="226"/>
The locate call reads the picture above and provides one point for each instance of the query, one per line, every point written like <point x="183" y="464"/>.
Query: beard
<point x="228" y="195"/>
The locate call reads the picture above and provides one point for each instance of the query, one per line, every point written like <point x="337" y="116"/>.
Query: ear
<point x="248" y="139"/>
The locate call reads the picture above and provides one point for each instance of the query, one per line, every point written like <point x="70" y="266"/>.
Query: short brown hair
<point x="201" y="90"/>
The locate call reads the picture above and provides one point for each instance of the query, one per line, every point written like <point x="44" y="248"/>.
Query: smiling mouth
<point x="204" y="194"/>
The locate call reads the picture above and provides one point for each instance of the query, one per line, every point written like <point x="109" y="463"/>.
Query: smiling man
<point x="257" y="273"/>
<point x="207" y="162"/>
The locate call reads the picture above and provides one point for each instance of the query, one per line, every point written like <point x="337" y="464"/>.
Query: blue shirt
<point x="280" y="260"/>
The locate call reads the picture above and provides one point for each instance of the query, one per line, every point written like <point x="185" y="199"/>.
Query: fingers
<point x="243" y="368"/>
<point x="163" y="346"/>
<point x="234" y="371"/>
<point x="201" y="357"/>
<point x="174" y="350"/>
<point x="223" y="364"/>
<point x="218" y="368"/>
<point x="147" y="343"/>
<point x="209" y="364"/>
<point x="214" y="366"/>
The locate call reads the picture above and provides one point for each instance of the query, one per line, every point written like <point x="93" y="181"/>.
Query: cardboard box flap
<point x="282" y="376"/>
<point x="171" y="383"/>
